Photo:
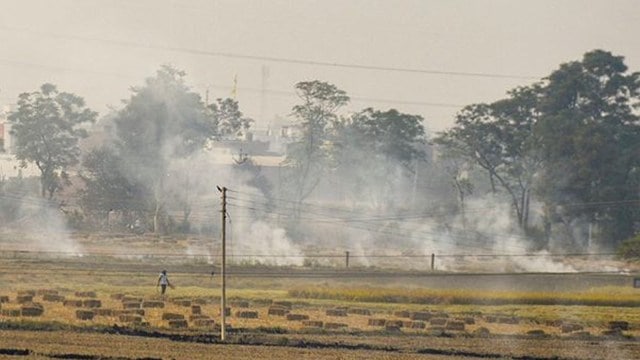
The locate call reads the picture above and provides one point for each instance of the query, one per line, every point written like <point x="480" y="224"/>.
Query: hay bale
<point x="436" y="331"/>
<point x="91" y="303"/>
<point x="393" y="323"/>
<point x="131" y="305"/>
<point x="31" y="293"/>
<point x="103" y="312"/>
<point x="4" y="299"/>
<point x="172" y="316"/>
<point x="570" y="327"/>
<point x="391" y="328"/>
<point x="134" y="311"/>
<point x="536" y="333"/>
<point x="438" y="321"/>
<point x="376" y="322"/>
<point x="125" y="299"/>
<point x="10" y="312"/>
<point x="359" y="311"/>
<point x="511" y="320"/>
<point x="284" y="304"/>
<point x="440" y="314"/>
<point x="130" y="318"/>
<point x="240" y="304"/>
<point x="85" y="294"/>
<point x="612" y="333"/>
<point x="117" y="296"/>
<point x="52" y="298"/>
<point x="277" y="311"/>
<point x="196" y="309"/>
<point x="32" y="310"/>
<point x="418" y="325"/>
<point x="618" y="325"/>
<point x="178" y="324"/>
<point x="247" y="314"/>
<point x="331" y="325"/>
<point x="336" y="312"/>
<point x="85" y="314"/>
<point x="204" y="322"/>
<point x="490" y="318"/>
<point x="553" y="323"/>
<point x="469" y="320"/>
<point x="24" y="299"/>
<point x="203" y="301"/>
<point x="455" y="325"/>
<point x="312" y="323"/>
<point x="481" y="332"/>
<point x="72" y="303"/>
<point x="152" y="304"/>
<point x="43" y="292"/>
<point x="197" y="317"/>
<point x="402" y="314"/>
<point x="297" y="317"/>
<point x="421" y="315"/>
<point x="182" y="302"/>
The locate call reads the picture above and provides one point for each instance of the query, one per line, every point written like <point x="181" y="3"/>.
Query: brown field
<point x="55" y="305"/>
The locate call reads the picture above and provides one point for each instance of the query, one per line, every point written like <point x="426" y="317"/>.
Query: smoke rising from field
<point x="39" y="225"/>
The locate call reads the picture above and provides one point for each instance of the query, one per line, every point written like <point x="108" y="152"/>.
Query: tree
<point x="228" y="120"/>
<point x="46" y="127"/>
<point x="307" y="157"/>
<point x="371" y="147"/>
<point x="590" y="136"/>
<point x="163" y="120"/>
<point x="499" y="137"/>
<point x="107" y="188"/>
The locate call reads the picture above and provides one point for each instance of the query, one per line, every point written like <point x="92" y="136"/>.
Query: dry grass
<point x="611" y="296"/>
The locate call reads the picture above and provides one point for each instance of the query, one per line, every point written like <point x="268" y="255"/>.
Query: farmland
<point x="101" y="305"/>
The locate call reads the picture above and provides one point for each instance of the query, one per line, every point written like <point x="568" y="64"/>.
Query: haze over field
<point x="464" y="51"/>
<point x="400" y="128"/>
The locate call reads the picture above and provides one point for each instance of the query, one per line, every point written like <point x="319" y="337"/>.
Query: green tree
<point x="590" y="137"/>
<point x="500" y="139"/>
<point x="307" y="158"/>
<point x="46" y="127"/>
<point x="228" y="120"/>
<point x="370" y="147"/>
<point x="163" y="120"/>
<point x="108" y="189"/>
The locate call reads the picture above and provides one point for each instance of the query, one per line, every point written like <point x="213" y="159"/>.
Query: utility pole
<point x="223" y="300"/>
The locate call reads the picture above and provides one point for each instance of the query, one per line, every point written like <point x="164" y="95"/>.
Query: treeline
<point x="562" y="153"/>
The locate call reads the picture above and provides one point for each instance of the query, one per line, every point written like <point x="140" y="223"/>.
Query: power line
<point x="84" y="254"/>
<point x="271" y="58"/>
<point x="223" y="87"/>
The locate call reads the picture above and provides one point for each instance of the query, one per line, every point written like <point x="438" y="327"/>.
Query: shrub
<point x="630" y="249"/>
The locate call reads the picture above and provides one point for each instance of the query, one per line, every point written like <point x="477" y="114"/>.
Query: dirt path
<point x="65" y="344"/>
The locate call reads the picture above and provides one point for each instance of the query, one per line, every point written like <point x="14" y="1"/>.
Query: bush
<point x="630" y="249"/>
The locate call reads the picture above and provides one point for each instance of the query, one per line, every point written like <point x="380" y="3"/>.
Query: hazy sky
<point x="98" y="49"/>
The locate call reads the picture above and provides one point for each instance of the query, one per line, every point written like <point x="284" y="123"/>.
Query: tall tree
<point x="161" y="121"/>
<point x="500" y="139"/>
<point x="591" y="140"/>
<point x="371" y="147"/>
<point x="107" y="188"/>
<point x="46" y="127"/>
<point x="228" y="120"/>
<point x="307" y="157"/>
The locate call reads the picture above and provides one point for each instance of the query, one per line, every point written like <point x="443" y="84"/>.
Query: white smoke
<point x="41" y="227"/>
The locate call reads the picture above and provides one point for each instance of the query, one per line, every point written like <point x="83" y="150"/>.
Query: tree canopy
<point x="47" y="126"/>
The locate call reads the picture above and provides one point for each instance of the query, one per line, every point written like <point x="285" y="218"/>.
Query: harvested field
<point x="130" y="303"/>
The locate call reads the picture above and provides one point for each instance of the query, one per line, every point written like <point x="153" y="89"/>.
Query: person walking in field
<point x="163" y="282"/>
